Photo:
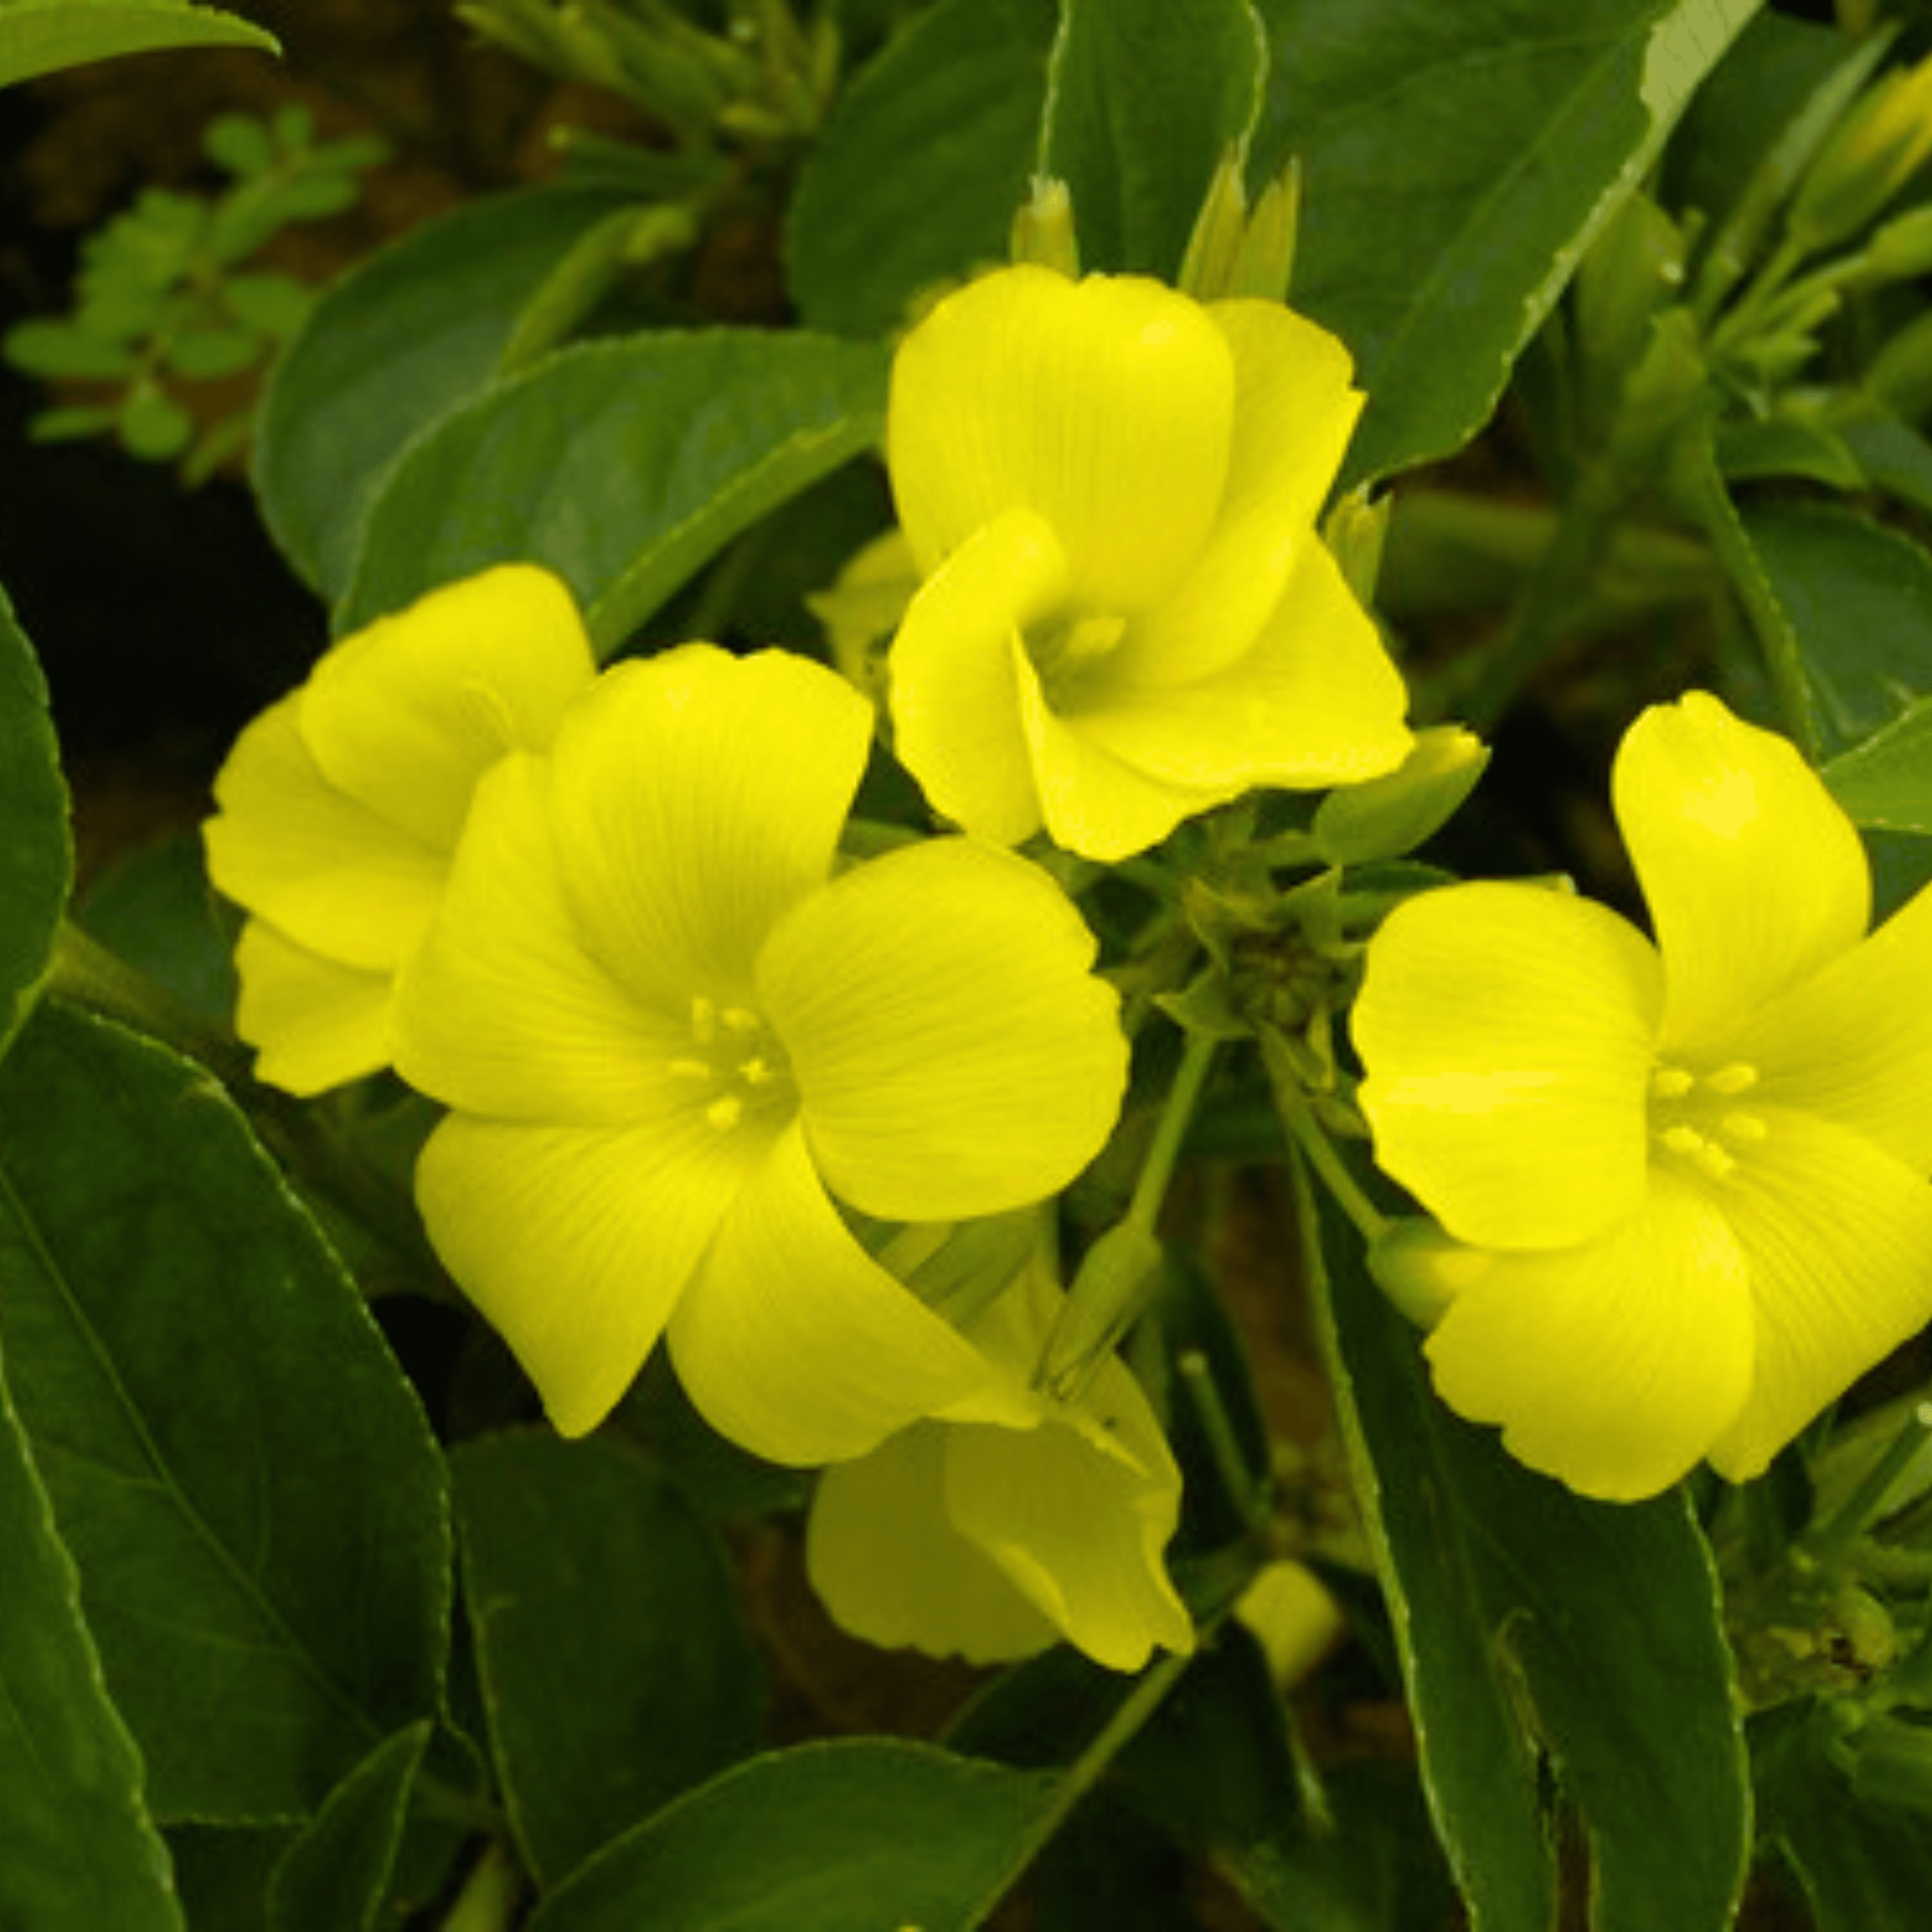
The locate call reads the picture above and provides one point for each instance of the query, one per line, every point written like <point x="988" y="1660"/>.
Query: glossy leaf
<point x="412" y="333"/>
<point x="247" y="1487"/>
<point x="1859" y="598"/>
<point x="36" y="847"/>
<point x="1144" y="98"/>
<point x="1458" y="163"/>
<point x="616" y="1668"/>
<point x="1532" y="1624"/>
<point x="823" y="1838"/>
<point x="77" y="1850"/>
<point x="39" y="37"/>
<point x="335" y="1876"/>
<point x="623" y="466"/>
<point x="916" y="178"/>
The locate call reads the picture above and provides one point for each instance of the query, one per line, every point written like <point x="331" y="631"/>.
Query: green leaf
<point x="207" y="353"/>
<point x="247" y="1486"/>
<point x="154" y="908"/>
<point x="623" y="466"/>
<point x="1459" y="161"/>
<point x="36" y="847"/>
<point x="1144" y="98"/>
<point x="1533" y="1623"/>
<point x="240" y="143"/>
<point x="153" y="426"/>
<point x="1782" y="446"/>
<point x="274" y="304"/>
<point x="61" y="348"/>
<point x="335" y="1876"/>
<point x="1886" y="782"/>
<point x="39" y="37"/>
<point x="917" y="175"/>
<point x="616" y="1668"/>
<point x="77" y="1850"/>
<point x="413" y="332"/>
<point x="1859" y="598"/>
<point x="826" y="1837"/>
<point x="1894" y="457"/>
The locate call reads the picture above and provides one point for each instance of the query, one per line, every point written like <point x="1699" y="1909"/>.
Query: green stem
<point x="1829" y="1545"/>
<point x="1157" y="1170"/>
<point x="1748" y="311"/>
<point x="1291" y="1104"/>
<point x="1237" y="1481"/>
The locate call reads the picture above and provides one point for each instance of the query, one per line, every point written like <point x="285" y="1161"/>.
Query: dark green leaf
<point x="416" y="331"/>
<point x="1143" y="99"/>
<point x="335" y="1876"/>
<point x="616" y="1668"/>
<point x="39" y="37"/>
<point x="623" y="466"/>
<point x="1859" y="598"/>
<point x="36" y="847"/>
<point x="1894" y="457"/>
<point x="917" y="176"/>
<point x="827" y="1838"/>
<point x="61" y="348"/>
<point x="222" y="1873"/>
<point x="246" y="1484"/>
<point x="78" y="1852"/>
<point x="154" y="908"/>
<point x="1886" y="782"/>
<point x="1533" y="1622"/>
<point x="1783" y="447"/>
<point x="1460" y="160"/>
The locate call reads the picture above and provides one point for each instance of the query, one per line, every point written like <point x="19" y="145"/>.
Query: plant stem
<point x="1237" y="1480"/>
<point x="1157" y="1170"/>
<point x="1828" y="1545"/>
<point x="1290" y="1104"/>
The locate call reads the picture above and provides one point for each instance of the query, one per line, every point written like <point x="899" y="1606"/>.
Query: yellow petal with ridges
<point x="576" y="1243"/>
<point x="1752" y="873"/>
<point x="1506" y="1032"/>
<point x="314" y="1023"/>
<point x="1837" y="1236"/>
<point x="1106" y="405"/>
<point x="794" y="1342"/>
<point x="405" y="714"/>
<point x="955" y="1054"/>
<point x="503" y="1011"/>
<point x="1613" y="1365"/>
<point x="333" y="876"/>
<point x="696" y="797"/>
<point x="955" y="699"/>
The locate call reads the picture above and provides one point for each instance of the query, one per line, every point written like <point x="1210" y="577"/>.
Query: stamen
<point x="1682" y="1140"/>
<point x="1744" y="1127"/>
<point x="756" y="1071"/>
<point x="740" y="1020"/>
<point x="1671" y="1083"/>
<point x="704" y="1021"/>
<point x="693" y="1069"/>
<point x="725" y="1112"/>
<point x="1739" y="1078"/>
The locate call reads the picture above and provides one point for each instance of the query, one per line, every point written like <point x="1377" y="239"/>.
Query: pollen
<point x="736" y="1071"/>
<point x="1692" y="1124"/>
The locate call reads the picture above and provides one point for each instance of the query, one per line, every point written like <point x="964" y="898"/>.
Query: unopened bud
<point x="1289" y="1612"/>
<point x="1118" y="1277"/>
<point x="1422" y="1270"/>
<point x="1877" y="148"/>
<point x="1390" y="816"/>
<point x="1233" y="253"/>
<point x="1043" y="231"/>
<point x="1355" y="531"/>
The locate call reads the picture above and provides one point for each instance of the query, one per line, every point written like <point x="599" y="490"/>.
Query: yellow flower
<point x="1009" y="1521"/>
<point x="339" y="807"/>
<point x="1127" y="617"/>
<point x="1683" y="1186"/>
<point x="667" y="1027"/>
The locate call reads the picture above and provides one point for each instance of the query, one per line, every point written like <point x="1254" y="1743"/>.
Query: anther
<point x="693" y="1069"/>
<point x="725" y="1112"/>
<point x="756" y="1071"/>
<point x="1743" y="1127"/>
<point x="1671" y="1083"/>
<point x="1739" y="1078"/>
<point x="704" y="1021"/>
<point x="741" y="1019"/>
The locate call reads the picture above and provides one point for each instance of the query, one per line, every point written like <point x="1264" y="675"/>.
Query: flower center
<point x="736" y="1069"/>
<point x="1695" y="1119"/>
<point x="1065" y="648"/>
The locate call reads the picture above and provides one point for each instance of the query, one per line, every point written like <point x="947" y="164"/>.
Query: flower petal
<point x="314" y="1022"/>
<point x="955" y="704"/>
<point x="1854" y="1042"/>
<point x="1315" y="701"/>
<point x="1295" y="411"/>
<point x="794" y="1342"/>
<point x="407" y="714"/>
<point x="955" y="1054"/>
<point x="576" y="1243"/>
<point x="503" y="1013"/>
<point x="1753" y="875"/>
<point x="1615" y="1365"/>
<point x="883" y="1554"/>
<point x="696" y="797"/>
<point x="332" y="875"/>
<point x="1507" y="1032"/>
<point x="1837" y="1236"/>
<point x="1106" y="406"/>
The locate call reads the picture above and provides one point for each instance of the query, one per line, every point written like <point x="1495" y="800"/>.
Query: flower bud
<point x="1233" y="252"/>
<point x="1422" y="1270"/>
<point x="1117" y="1278"/>
<point x="1387" y="817"/>
<point x="1880" y="145"/>
<point x="1043" y="232"/>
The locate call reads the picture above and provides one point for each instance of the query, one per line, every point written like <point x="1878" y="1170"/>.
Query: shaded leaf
<point x="249" y="1490"/>
<point x="36" y="847"/>
<point x="1886" y="782"/>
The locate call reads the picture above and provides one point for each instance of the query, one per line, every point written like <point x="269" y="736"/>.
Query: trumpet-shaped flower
<point x="1009" y="1520"/>
<point x="672" y="1035"/>
<point x="1683" y="1184"/>
<point x="1125" y="614"/>
<point x="339" y="807"/>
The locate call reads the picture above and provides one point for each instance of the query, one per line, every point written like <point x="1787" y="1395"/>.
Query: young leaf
<point x="53" y="348"/>
<point x="39" y="37"/>
<point x="1533" y="1622"/>
<point x="1144" y="98"/>
<point x="916" y="178"/>
<point x="77" y="1850"/>
<point x="334" y="1877"/>
<point x="822" y="1838"/>
<point x="1458" y="162"/>
<point x="247" y="1487"/>
<point x="36" y="847"/>
<point x="413" y="332"/>
<point x="624" y="466"/>
<point x="617" y="1670"/>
